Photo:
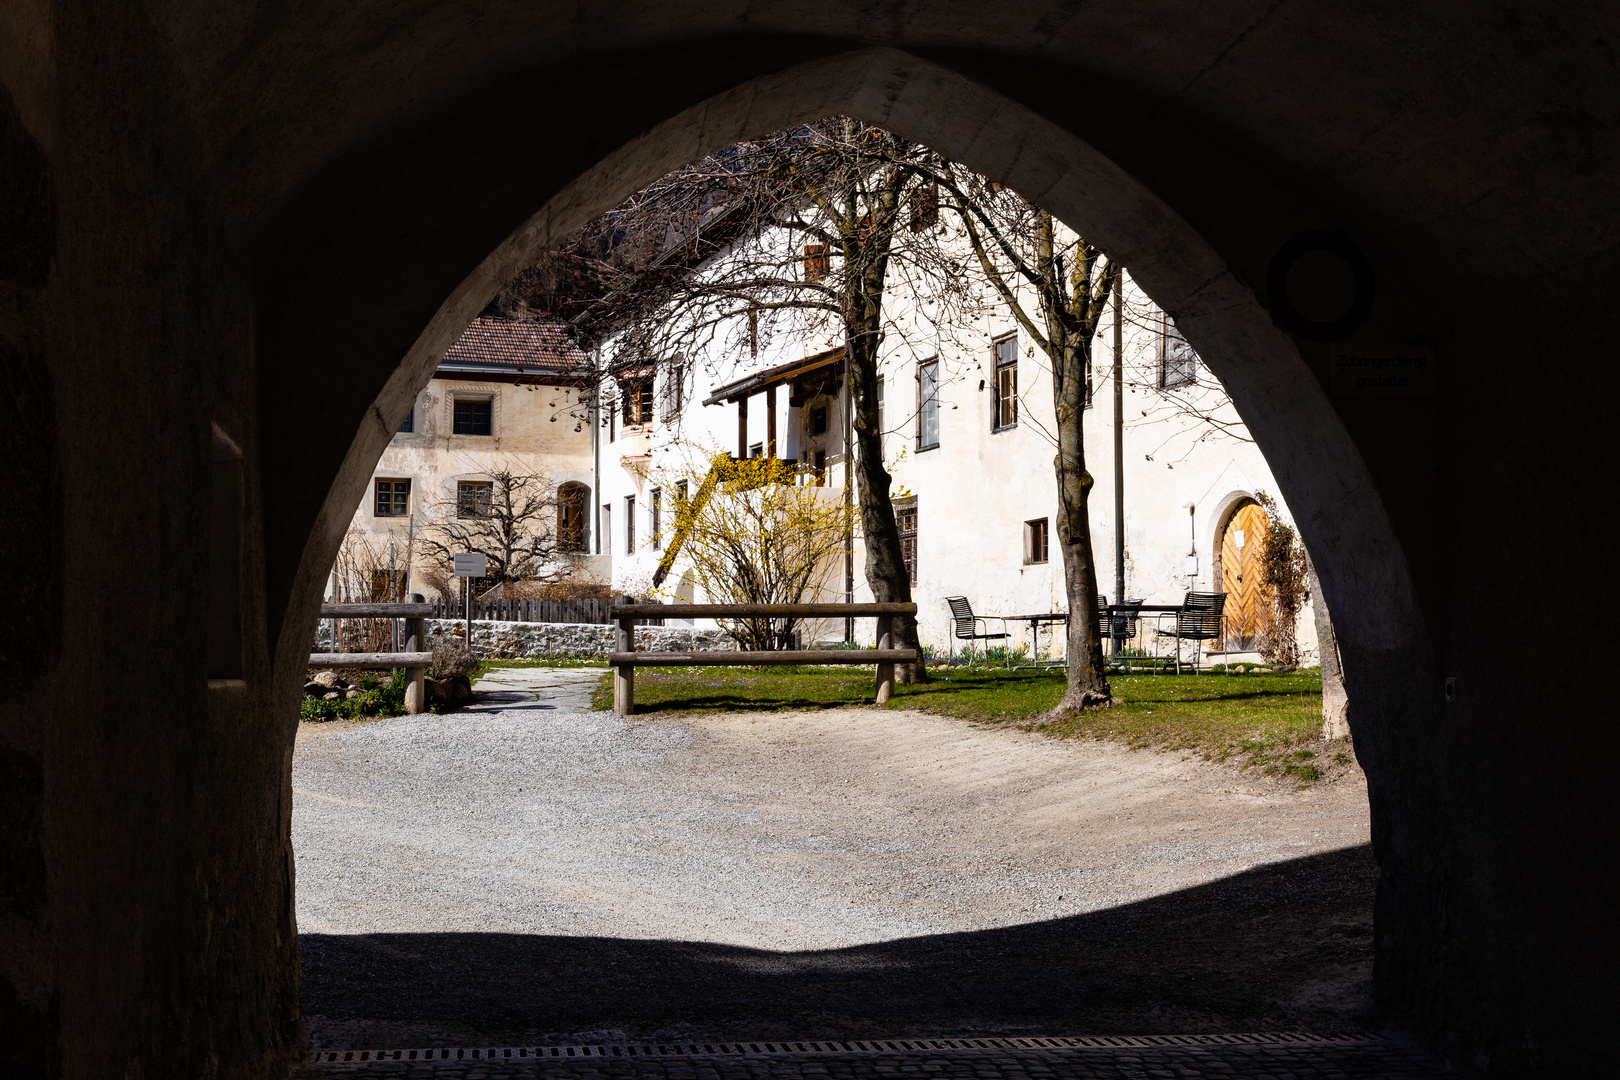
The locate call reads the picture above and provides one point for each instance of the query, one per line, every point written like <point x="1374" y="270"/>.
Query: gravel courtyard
<point x="528" y="869"/>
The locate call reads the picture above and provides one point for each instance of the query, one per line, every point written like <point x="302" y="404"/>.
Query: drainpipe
<point x="596" y="448"/>
<point x="849" y="500"/>
<point x="1119" y="456"/>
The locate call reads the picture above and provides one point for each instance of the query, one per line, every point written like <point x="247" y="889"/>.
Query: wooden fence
<point x="414" y="657"/>
<point x="627" y="614"/>
<point x="532" y="610"/>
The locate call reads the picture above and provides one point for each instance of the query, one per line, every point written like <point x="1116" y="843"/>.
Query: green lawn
<point x="489" y="663"/>
<point x="1258" y="718"/>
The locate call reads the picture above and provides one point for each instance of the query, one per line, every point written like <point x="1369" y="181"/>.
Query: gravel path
<point x="806" y="843"/>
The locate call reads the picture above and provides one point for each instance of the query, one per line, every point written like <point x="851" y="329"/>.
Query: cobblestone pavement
<point x="1190" y="1058"/>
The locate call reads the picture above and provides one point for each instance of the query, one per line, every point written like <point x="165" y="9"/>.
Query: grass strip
<point x="1270" y="720"/>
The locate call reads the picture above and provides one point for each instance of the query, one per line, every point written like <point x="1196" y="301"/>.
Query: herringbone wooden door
<point x="1248" y="602"/>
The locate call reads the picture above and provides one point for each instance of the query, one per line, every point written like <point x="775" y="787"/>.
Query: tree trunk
<point x="1069" y="332"/>
<point x="1335" y="702"/>
<point x="1088" y="685"/>
<point x="867" y="259"/>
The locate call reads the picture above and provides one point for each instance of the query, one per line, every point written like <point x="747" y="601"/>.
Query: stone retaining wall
<point x="518" y="639"/>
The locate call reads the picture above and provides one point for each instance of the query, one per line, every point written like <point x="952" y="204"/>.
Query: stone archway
<point x="1318" y="467"/>
<point x="250" y="217"/>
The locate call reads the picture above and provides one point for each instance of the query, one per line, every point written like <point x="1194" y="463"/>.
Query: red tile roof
<point x="515" y="345"/>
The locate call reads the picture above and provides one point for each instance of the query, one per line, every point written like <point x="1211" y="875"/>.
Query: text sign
<point x="469" y="565"/>
<point x="1360" y="370"/>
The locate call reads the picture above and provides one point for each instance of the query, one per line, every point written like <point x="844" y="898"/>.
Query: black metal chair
<point x="1122" y="628"/>
<point x="1198" y="619"/>
<point x="967" y="627"/>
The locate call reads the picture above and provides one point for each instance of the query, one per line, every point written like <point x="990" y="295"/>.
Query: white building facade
<point x="969" y="440"/>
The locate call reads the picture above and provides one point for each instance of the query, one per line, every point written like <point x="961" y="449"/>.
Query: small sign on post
<point x="468" y="565"/>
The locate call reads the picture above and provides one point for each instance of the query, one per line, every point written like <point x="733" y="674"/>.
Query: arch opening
<point x="1319" y="469"/>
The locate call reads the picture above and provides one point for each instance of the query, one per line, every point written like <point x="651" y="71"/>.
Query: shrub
<point x="451" y="658"/>
<point x="376" y="698"/>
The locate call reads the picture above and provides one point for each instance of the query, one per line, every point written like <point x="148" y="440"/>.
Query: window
<point x="656" y="508"/>
<point x="928" y="405"/>
<point x="571" y="517"/>
<point x="612" y="419"/>
<point x="817" y="263"/>
<point x="1035" y="546"/>
<point x="680" y="494"/>
<point x="757" y="450"/>
<point x="821" y="468"/>
<point x="1005" y="406"/>
<point x="472" y="417"/>
<point x="674" y="392"/>
<point x="473" y="498"/>
<point x="881" y="426"/>
<point x="637" y="395"/>
<point x="408" y="424"/>
<point x="1178" y="364"/>
<point x="924" y="207"/>
<point x="818" y="420"/>
<point x="905" y="516"/>
<point x="605" y="546"/>
<point x="629" y="524"/>
<point x="393" y="498"/>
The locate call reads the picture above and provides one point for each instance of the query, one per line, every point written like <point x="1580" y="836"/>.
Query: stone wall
<point x="521" y="639"/>
<point x="518" y="639"/>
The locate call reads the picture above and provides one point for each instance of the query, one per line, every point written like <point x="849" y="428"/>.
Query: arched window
<point x="572" y="498"/>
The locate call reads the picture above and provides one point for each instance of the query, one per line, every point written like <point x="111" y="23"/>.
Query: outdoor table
<point x="1035" y="620"/>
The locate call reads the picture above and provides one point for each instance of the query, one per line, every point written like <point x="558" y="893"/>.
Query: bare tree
<point x="809" y="222"/>
<point x="509" y="519"/>
<point x="1057" y="285"/>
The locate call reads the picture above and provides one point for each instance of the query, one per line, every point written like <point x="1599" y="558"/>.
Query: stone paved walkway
<point x="1295" y="1059"/>
<point x="535" y="688"/>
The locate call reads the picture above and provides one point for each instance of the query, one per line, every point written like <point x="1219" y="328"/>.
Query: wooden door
<point x="1248" y="602"/>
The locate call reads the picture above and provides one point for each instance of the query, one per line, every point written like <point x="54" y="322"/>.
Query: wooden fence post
<point x="885" y="671"/>
<point x="415" y="677"/>
<point x="624" y="675"/>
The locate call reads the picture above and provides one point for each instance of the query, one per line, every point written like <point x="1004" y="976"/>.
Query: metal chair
<point x="1122" y="628"/>
<point x="1198" y="619"/>
<point x="967" y="627"/>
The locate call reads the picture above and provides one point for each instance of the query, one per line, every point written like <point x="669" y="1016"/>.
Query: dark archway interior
<point x="273" y="222"/>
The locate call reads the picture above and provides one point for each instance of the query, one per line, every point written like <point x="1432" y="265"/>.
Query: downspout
<point x="596" y="448"/>
<point x="849" y="501"/>
<point x="1119" y="452"/>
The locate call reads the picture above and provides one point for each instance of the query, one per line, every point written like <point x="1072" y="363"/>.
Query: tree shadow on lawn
<point x="1286" y="946"/>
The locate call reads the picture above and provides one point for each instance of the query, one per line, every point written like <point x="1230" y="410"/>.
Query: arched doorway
<point x="572" y="498"/>
<point x="1248" y="599"/>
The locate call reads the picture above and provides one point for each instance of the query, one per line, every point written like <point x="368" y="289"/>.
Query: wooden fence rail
<point x="625" y="659"/>
<point x="413" y="657"/>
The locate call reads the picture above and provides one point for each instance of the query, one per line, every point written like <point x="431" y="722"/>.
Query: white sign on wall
<point x="469" y="565"/>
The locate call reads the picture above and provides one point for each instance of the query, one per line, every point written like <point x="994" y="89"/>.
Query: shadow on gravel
<point x="1285" y="946"/>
